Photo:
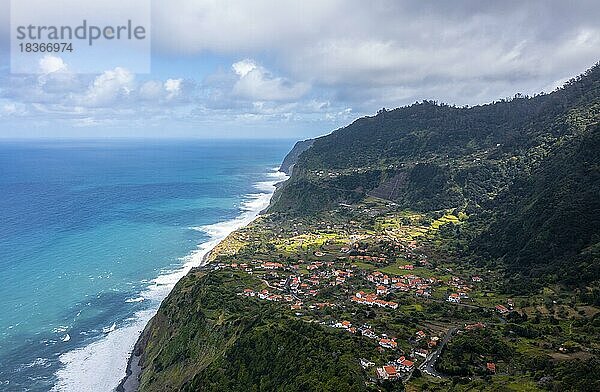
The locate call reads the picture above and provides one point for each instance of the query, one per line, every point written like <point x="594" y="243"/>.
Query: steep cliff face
<point x="547" y="224"/>
<point x="292" y="157"/>
<point x="444" y="155"/>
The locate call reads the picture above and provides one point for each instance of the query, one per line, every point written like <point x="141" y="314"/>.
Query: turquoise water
<point x="86" y="228"/>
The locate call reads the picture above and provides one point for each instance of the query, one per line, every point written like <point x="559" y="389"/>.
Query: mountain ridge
<point x="478" y="211"/>
<point x="430" y="156"/>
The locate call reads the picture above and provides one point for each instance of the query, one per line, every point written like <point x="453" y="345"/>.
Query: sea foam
<point x="100" y="365"/>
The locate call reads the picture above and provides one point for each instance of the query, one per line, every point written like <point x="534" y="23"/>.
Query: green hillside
<point x="548" y="222"/>
<point x="478" y="228"/>
<point x="465" y="151"/>
<point x="206" y="337"/>
<point x="524" y="169"/>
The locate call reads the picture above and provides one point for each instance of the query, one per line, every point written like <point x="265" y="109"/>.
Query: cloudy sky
<point x="257" y="68"/>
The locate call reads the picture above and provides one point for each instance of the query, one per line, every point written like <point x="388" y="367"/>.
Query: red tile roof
<point x="390" y="370"/>
<point x="407" y="363"/>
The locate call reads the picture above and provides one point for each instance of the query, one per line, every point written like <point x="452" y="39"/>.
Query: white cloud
<point x="151" y="90"/>
<point x="237" y="26"/>
<point x="256" y="83"/>
<point x="109" y="88"/>
<point x="243" y="67"/>
<point x="326" y="60"/>
<point x="173" y="88"/>
<point x="12" y="109"/>
<point x="460" y="52"/>
<point x="154" y="90"/>
<point x="55" y="77"/>
<point x="343" y="115"/>
<point x="9" y="108"/>
<point x="49" y="64"/>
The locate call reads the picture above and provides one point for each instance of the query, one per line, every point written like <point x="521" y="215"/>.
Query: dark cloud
<point x="392" y="48"/>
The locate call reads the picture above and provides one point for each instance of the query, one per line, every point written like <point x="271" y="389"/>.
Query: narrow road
<point x="287" y="289"/>
<point x="428" y="366"/>
<point x="460" y="304"/>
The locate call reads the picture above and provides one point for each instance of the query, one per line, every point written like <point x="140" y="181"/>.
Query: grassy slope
<point x="206" y="335"/>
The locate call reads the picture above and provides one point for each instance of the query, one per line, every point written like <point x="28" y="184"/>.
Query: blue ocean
<point x="94" y="234"/>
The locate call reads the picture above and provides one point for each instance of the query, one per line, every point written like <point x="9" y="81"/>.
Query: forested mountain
<point x="292" y="157"/>
<point x="490" y="205"/>
<point x="428" y="130"/>
<point x="525" y="169"/>
<point x="548" y="222"/>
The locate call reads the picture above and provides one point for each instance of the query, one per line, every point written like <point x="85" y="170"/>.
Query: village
<point x="346" y="273"/>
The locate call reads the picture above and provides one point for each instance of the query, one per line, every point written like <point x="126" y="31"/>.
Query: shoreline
<point x="130" y="382"/>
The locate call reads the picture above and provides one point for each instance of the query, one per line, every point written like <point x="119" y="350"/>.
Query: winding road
<point x="428" y="366"/>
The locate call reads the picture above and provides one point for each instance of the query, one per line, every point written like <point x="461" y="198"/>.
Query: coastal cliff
<point x="292" y="157"/>
<point x="207" y="336"/>
<point x="392" y="236"/>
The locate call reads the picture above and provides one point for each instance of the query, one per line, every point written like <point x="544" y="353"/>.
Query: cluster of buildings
<point x="462" y="290"/>
<point x="421" y="286"/>
<point x="319" y="278"/>
<point x="373" y="259"/>
<point x="347" y="325"/>
<point x="287" y="279"/>
<point x="326" y="265"/>
<point x="372" y="300"/>
<point x="394" y="370"/>
<point x="299" y="289"/>
<point x="253" y="265"/>
<point x="510" y="305"/>
<point x="456" y="298"/>
<point x="366" y="331"/>
<point x="266" y="295"/>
